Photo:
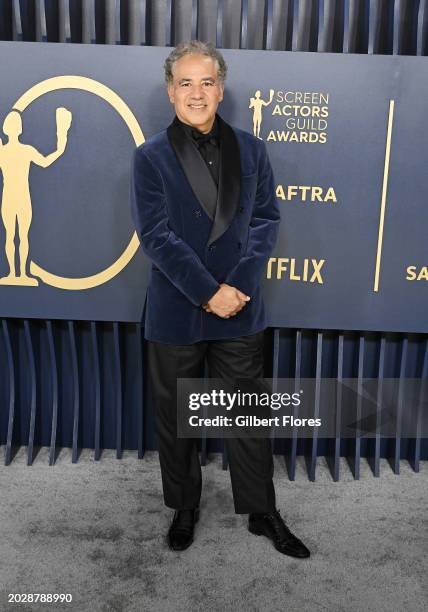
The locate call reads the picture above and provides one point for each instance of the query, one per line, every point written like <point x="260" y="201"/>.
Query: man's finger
<point x="238" y="309"/>
<point x="243" y="296"/>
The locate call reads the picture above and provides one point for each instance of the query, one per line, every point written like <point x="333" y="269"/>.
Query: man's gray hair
<point x="195" y="47"/>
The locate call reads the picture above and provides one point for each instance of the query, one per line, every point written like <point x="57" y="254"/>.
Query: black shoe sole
<point x="178" y="549"/>
<point x="258" y="531"/>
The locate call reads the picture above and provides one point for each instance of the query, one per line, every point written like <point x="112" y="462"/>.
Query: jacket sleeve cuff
<point x="210" y="292"/>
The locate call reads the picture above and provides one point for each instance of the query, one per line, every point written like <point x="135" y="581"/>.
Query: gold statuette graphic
<point x="15" y="161"/>
<point x="257" y="104"/>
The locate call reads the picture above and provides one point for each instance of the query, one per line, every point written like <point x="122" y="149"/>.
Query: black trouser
<point x="250" y="459"/>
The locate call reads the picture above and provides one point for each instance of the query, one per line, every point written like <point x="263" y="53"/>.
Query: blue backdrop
<point x="79" y="383"/>
<point x="346" y="140"/>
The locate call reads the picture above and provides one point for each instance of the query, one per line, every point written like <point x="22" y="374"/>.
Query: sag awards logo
<point x="294" y="117"/>
<point x="303" y="115"/>
<point x="15" y="161"/>
<point x="291" y="116"/>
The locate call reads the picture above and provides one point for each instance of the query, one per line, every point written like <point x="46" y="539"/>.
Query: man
<point x="204" y="206"/>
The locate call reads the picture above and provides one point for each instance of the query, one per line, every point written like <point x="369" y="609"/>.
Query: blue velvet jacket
<point x="192" y="252"/>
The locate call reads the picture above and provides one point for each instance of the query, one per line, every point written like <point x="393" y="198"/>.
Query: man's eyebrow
<point x="188" y="79"/>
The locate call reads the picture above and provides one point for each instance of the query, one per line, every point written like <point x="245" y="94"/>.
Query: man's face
<point x="196" y="91"/>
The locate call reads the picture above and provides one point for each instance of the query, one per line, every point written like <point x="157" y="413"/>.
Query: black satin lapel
<point x="195" y="169"/>
<point x="229" y="185"/>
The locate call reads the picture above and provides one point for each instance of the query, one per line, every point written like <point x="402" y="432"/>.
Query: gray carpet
<point x="96" y="530"/>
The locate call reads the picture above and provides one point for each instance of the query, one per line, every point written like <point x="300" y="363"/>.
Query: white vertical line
<point x="384" y="193"/>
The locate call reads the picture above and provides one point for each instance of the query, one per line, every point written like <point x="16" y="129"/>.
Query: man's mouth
<point x="197" y="106"/>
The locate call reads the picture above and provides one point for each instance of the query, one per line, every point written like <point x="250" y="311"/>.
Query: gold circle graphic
<point x="109" y="96"/>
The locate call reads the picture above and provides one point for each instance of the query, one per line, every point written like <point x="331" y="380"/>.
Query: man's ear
<point x="170" y="90"/>
<point x="221" y="87"/>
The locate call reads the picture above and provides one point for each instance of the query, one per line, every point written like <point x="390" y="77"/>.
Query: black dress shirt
<point x="208" y="145"/>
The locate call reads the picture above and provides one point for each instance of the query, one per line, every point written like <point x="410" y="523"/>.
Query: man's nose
<point x="197" y="91"/>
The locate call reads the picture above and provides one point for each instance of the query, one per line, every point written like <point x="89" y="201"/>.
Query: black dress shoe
<point x="180" y="533"/>
<point x="272" y="525"/>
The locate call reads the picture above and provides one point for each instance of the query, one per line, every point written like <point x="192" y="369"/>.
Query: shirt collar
<point x="213" y="133"/>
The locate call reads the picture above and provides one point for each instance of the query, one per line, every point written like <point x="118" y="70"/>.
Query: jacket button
<point x="211" y="247"/>
<point x="239" y="246"/>
<point x="241" y="209"/>
<point x="197" y="212"/>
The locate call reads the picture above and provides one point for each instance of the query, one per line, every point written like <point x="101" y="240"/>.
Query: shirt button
<point x="210" y="163"/>
<point x="241" y="209"/>
<point x="239" y="246"/>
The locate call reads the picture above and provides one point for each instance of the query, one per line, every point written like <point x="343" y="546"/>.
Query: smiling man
<point x="204" y="206"/>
